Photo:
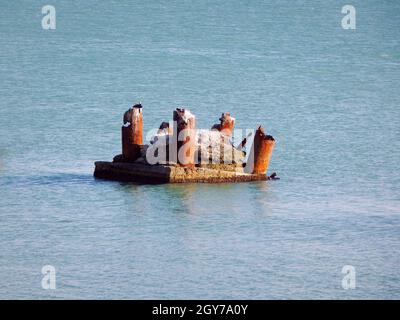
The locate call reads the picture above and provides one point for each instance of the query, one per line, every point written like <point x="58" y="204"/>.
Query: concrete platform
<point x="144" y="173"/>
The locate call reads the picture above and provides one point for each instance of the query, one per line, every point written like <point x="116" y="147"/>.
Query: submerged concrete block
<point x="145" y="173"/>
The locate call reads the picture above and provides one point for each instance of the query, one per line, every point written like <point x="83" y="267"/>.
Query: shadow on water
<point x="51" y="179"/>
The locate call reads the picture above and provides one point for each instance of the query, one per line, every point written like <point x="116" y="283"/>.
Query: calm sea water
<point x="329" y="96"/>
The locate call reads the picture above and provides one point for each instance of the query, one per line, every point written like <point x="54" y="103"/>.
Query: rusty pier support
<point x="261" y="153"/>
<point x="226" y="125"/>
<point x="184" y="136"/>
<point x="132" y="133"/>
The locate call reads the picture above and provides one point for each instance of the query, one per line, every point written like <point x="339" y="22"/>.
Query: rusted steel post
<point x="132" y="133"/>
<point x="184" y="135"/>
<point x="226" y="125"/>
<point x="261" y="152"/>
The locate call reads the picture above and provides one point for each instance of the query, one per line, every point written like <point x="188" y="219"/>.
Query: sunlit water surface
<point x="329" y="96"/>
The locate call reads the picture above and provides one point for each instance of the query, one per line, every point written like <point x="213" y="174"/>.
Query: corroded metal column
<point x="226" y="125"/>
<point x="132" y="133"/>
<point x="184" y="135"/>
<point x="261" y="152"/>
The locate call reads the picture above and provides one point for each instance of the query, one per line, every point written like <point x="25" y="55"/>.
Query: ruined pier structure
<point x="181" y="153"/>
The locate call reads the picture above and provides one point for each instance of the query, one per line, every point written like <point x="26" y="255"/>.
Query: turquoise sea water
<point x="329" y="96"/>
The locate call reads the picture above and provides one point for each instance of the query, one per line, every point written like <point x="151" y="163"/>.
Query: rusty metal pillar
<point x="261" y="152"/>
<point x="184" y="135"/>
<point x="226" y="125"/>
<point x="132" y="133"/>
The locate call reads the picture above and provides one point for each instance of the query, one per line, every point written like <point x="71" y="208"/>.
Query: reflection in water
<point x="262" y="197"/>
<point x="195" y="199"/>
<point x="184" y="195"/>
<point x="138" y="200"/>
<point x="254" y="198"/>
